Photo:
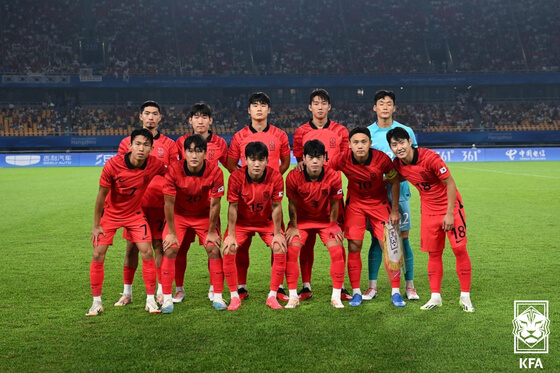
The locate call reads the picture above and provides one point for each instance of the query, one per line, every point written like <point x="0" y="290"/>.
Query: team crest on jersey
<point x="424" y="175"/>
<point x="205" y="188"/>
<point x="272" y="145"/>
<point x="332" y="142"/>
<point x="373" y="176"/>
<point x="266" y="194"/>
<point x="146" y="179"/>
<point x="160" y="152"/>
<point x="211" y="154"/>
<point x="325" y="192"/>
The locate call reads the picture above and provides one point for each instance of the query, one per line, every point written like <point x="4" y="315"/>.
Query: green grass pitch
<point x="513" y="223"/>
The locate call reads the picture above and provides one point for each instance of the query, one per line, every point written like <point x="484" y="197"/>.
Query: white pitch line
<point x="508" y="173"/>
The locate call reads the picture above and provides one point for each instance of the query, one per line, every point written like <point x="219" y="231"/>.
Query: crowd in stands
<point x="468" y="113"/>
<point x="289" y="37"/>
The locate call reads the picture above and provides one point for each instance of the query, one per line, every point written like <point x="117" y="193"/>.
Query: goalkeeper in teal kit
<point x="384" y="106"/>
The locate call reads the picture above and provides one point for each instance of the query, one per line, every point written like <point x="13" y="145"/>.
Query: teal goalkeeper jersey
<point x="379" y="142"/>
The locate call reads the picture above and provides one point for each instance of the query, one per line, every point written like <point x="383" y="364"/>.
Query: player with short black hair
<point x="255" y="194"/>
<point x="385" y="106"/>
<point x="367" y="198"/>
<point x="442" y="213"/>
<point x="276" y="141"/>
<point x="193" y="192"/>
<point x="334" y="136"/>
<point x="122" y="184"/>
<point x="314" y="194"/>
<point x="200" y="118"/>
<point x="165" y="150"/>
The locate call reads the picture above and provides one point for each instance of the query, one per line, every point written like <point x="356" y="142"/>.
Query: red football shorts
<point x="355" y="218"/>
<point x="156" y="221"/>
<point x="310" y="229"/>
<point x="184" y="226"/>
<point x="136" y="226"/>
<point x="432" y="236"/>
<point x="242" y="233"/>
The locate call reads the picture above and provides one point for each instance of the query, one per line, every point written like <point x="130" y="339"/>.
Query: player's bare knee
<point x="145" y="249"/>
<point x="213" y="252"/>
<point x="354" y="246"/>
<point x="171" y="252"/>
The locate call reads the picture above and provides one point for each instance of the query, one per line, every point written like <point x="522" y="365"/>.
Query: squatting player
<point x="384" y="106"/>
<point x="278" y="146"/>
<point x="152" y="203"/>
<point x="200" y="118"/>
<point x="442" y="213"/>
<point x="314" y="195"/>
<point x="192" y="192"/>
<point x="255" y="206"/>
<point x="123" y="181"/>
<point x="367" y="198"/>
<point x="334" y="136"/>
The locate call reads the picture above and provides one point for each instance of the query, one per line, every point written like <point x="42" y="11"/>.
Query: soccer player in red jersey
<point x="334" y="136"/>
<point x="193" y="192"/>
<point x="200" y="118"/>
<point x="123" y="181"/>
<point x="255" y="206"/>
<point x="314" y="194"/>
<point x="442" y="213"/>
<point x="278" y="146"/>
<point x="367" y="198"/>
<point x="152" y="203"/>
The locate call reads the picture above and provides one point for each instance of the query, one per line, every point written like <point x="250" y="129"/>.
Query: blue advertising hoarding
<point x="448" y="155"/>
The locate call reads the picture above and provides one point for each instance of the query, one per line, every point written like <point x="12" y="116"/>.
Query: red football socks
<point x="128" y="275"/>
<point x="354" y="269"/>
<point x="463" y="267"/>
<point x="337" y="266"/>
<point x="149" y="275"/>
<point x="167" y="274"/>
<point x="215" y="267"/>
<point x="230" y="271"/>
<point x="277" y="271"/>
<point x="292" y="268"/>
<point x="96" y="275"/>
<point x="435" y="271"/>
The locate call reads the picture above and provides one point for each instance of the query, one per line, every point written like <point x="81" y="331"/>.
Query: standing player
<point x="278" y="146"/>
<point x="367" y="198"/>
<point x="314" y="194"/>
<point x="255" y="206"/>
<point x="200" y="118"/>
<point x="152" y="203"/>
<point x="334" y="136"/>
<point x="193" y="192"/>
<point x="384" y="106"/>
<point x="123" y="181"/>
<point x="442" y="213"/>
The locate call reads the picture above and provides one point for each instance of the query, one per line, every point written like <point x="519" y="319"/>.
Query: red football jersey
<point x="365" y="181"/>
<point x="313" y="197"/>
<point x="216" y="148"/>
<point x="166" y="151"/>
<point x="193" y="191"/>
<point x="426" y="173"/>
<point x="333" y="135"/>
<point x="274" y="138"/>
<point x="254" y="199"/>
<point x="127" y="184"/>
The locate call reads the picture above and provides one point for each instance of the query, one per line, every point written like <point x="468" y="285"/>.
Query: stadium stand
<point x="291" y="37"/>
